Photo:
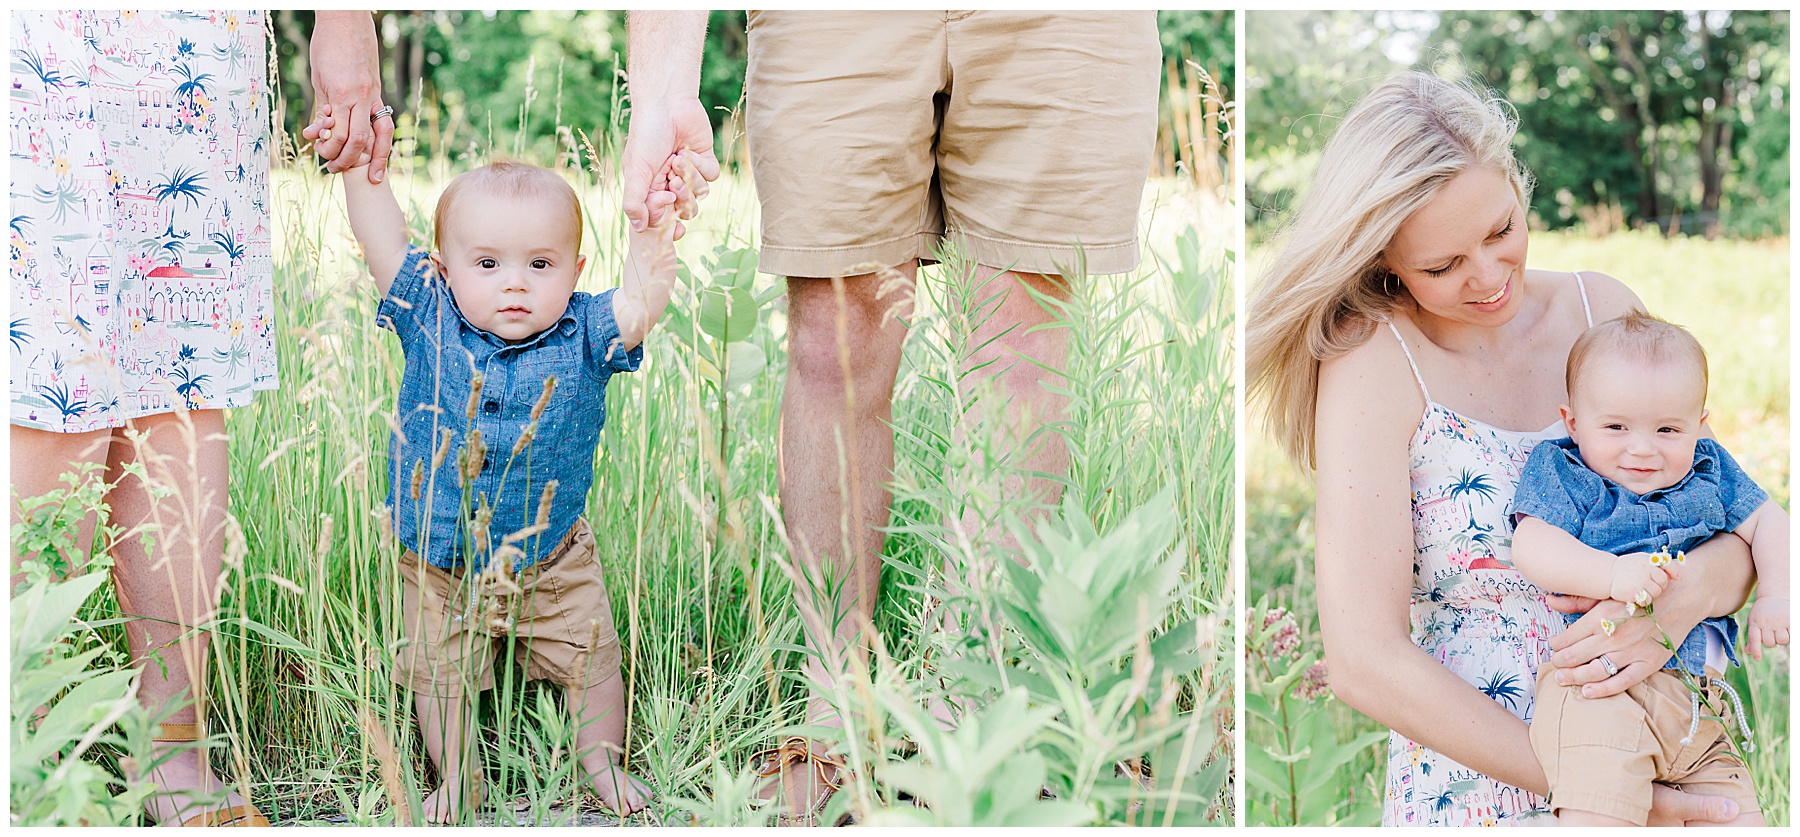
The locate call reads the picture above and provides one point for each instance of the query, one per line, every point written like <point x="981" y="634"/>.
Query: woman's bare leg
<point x="170" y="585"/>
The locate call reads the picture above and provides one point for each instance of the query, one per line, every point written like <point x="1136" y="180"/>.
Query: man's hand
<point x="663" y="52"/>
<point x="346" y="79"/>
<point x="656" y="135"/>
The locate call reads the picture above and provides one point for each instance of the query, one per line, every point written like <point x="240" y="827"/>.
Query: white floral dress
<point x="1471" y="610"/>
<point x="140" y="246"/>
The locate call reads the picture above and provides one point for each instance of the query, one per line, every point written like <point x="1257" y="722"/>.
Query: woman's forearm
<point x="1716" y="581"/>
<point x="1403" y="688"/>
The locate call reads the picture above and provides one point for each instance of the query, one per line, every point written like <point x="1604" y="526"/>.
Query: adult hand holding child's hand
<point x="346" y="79"/>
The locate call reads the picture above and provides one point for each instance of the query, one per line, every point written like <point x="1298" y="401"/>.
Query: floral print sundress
<point x="140" y="246"/>
<point x="1471" y="610"/>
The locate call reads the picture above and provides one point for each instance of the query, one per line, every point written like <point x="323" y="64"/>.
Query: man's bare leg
<point x="1008" y="364"/>
<point x="836" y="458"/>
<point x="446" y="730"/>
<point x="600" y="742"/>
<point x="1006" y="372"/>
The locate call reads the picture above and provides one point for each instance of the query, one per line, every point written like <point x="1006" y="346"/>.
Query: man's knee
<point x="1019" y="335"/>
<point x="829" y="332"/>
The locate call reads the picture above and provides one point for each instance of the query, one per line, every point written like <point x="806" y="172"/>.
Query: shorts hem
<point x="1024" y="256"/>
<point x="1608" y="806"/>
<point x="1072" y="261"/>
<point x="854" y="260"/>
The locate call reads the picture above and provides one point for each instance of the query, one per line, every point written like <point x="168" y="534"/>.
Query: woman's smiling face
<point x="1461" y="256"/>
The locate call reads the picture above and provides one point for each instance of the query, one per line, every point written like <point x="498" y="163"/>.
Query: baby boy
<point x="500" y="410"/>
<point x="1606" y="514"/>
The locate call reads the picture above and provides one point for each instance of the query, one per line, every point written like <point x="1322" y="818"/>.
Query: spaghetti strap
<point x="1585" y="310"/>
<point x="1409" y="359"/>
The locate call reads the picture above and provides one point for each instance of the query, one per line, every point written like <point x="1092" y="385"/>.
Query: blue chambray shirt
<point x="1716" y="496"/>
<point x="443" y="351"/>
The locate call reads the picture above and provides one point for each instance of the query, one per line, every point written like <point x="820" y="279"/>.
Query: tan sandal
<point x="825" y="775"/>
<point x="236" y="816"/>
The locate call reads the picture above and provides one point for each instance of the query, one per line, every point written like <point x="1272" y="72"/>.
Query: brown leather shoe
<point x="799" y="780"/>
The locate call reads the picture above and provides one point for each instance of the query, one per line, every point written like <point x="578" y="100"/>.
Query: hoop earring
<point x="1390" y="284"/>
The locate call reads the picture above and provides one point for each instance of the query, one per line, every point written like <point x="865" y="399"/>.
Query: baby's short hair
<point x="511" y="179"/>
<point x="1635" y="336"/>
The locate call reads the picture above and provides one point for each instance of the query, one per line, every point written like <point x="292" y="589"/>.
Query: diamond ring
<point x="1607" y="663"/>
<point x="386" y="110"/>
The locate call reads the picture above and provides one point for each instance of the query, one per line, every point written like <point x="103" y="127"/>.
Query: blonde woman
<point x="1400" y="348"/>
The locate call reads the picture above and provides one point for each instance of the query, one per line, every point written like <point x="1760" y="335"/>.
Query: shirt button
<point x="491" y="407"/>
<point x="487" y="461"/>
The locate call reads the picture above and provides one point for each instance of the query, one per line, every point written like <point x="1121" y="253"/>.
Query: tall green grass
<point x="1734" y="296"/>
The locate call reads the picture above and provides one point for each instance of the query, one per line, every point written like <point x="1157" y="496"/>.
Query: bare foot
<point x="447" y="803"/>
<point x="619" y="790"/>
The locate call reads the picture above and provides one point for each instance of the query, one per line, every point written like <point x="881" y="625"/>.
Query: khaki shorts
<point x="1025" y="134"/>
<point x="1601" y="755"/>
<point x="560" y="613"/>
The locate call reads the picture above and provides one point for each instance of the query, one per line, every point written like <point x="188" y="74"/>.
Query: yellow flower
<point x="231" y="23"/>
<point x="137" y="325"/>
<point x="237" y="327"/>
<point x="60" y="165"/>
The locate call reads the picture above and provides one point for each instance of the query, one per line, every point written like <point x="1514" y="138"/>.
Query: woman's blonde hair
<point x="1327" y="287"/>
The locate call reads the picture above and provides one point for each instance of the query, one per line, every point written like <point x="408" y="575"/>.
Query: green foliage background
<point x="1626" y="109"/>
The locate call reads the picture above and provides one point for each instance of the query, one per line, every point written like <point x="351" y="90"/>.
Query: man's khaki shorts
<point x="560" y="614"/>
<point x="1025" y="134"/>
<point x="1601" y="755"/>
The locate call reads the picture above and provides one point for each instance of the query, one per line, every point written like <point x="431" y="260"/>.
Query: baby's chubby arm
<point x="1766" y="530"/>
<point x="648" y="274"/>
<point x="1560" y="563"/>
<point x="375" y="219"/>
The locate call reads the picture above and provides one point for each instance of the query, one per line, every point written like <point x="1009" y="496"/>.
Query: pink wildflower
<point x="1315" y="684"/>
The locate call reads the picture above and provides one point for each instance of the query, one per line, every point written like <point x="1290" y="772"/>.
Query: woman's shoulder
<point x="1371" y="389"/>
<point x="1607" y="297"/>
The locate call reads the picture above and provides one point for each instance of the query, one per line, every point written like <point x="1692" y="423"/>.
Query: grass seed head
<point x="525" y="438"/>
<point x="543" y="401"/>
<point x="478" y="529"/>
<point x="443" y="450"/>
<point x="475" y="382"/>
<point x="418" y="479"/>
<point x="543" y="509"/>
<point x="474" y="456"/>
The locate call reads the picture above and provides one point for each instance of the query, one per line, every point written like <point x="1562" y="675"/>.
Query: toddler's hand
<point x="319" y="130"/>
<point x="1637" y="580"/>
<point x="1768" y="625"/>
<point x="679" y="179"/>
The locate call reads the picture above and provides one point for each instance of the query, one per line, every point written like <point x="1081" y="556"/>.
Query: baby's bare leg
<point x="444" y="726"/>
<point x="600" y="738"/>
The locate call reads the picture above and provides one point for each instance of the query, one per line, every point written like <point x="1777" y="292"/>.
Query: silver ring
<point x="1607" y="663"/>
<point x="386" y="110"/>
